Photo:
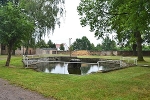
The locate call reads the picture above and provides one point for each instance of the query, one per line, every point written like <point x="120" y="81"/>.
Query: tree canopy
<point x="108" y="44"/>
<point x="51" y="44"/>
<point x="45" y="13"/>
<point x="127" y="17"/>
<point x="82" y="44"/>
<point x="14" y="27"/>
<point x="62" y="47"/>
<point x="21" y="18"/>
<point x="41" y="44"/>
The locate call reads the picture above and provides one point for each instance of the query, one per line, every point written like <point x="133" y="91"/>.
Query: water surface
<point x="69" y="68"/>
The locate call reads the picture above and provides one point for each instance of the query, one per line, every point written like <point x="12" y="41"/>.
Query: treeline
<point x="105" y="44"/>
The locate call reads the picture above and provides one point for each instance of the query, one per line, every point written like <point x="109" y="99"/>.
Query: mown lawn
<point x="127" y="84"/>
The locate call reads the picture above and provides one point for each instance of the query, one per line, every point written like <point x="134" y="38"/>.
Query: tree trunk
<point x="9" y="55"/>
<point x="139" y="46"/>
<point x="26" y="52"/>
<point x="13" y="52"/>
<point x="134" y="49"/>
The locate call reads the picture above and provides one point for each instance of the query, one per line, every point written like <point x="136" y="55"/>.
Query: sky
<point x="70" y="27"/>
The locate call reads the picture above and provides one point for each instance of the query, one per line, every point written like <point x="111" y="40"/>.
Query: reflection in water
<point x="65" y="68"/>
<point x="90" y="69"/>
<point x="74" y="68"/>
<point x="59" y="68"/>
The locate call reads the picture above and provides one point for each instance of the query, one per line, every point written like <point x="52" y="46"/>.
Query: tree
<point x="98" y="47"/>
<point x="41" y="44"/>
<point x="82" y="44"/>
<point x="86" y="43"/>
<point x="51" y="44"/>
<point x="93" y="46"/>
<point x="108" y="44"/>
<point x="133" y="17"/>
<point x="29" y="43"/>
<point x="62" y="47"/>
<point x="14" y="27"/>
<point x="106" y="16"/>
<point x="45" y="13"/>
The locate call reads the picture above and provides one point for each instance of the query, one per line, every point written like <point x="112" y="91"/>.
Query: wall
<point x="130" y="53"/>
<point x="31" y="51"/>
<point x="63" y="52"/>
<point x="45" y="51"/>
<point x="108" y="53"/>
<point x="39" y="51"/>
<point x="102" y="53"/>
<point x="19" y="51"/>
<point x="4" y="52"/>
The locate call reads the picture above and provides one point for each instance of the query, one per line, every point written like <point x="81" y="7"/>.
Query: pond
<point x="73" y="68"/>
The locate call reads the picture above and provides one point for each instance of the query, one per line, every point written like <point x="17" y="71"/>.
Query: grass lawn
<point x="132" y="83"/>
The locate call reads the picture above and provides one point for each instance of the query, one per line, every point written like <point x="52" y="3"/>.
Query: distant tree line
<point x="106" y="44"/>
<point x="49" y="44"/>
<point x="43" y="44"/>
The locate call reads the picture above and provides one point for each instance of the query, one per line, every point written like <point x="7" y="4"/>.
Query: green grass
<point x="127" y="84"/>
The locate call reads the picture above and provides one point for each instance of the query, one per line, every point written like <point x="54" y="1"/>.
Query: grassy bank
<point x="127" y="84"/>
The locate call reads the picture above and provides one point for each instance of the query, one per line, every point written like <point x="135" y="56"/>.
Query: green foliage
<point x="104" y="16"/>
<point x="108" y="44"/>
<point x="4" y="2"/>
<point x="82" y="44"/>
<point x="94" y="14"/>
<point x="30" y="42"/>
<point x="62" y="47"/>
<point x="14" y="27"/>
<point x="146" y="47"/>
<point x="41" y="44"/>
<point x="51" y="44"/>
<point x="45" y="13"/>
<point x="98" y="47"/>
<point x="134" y="15"/>
<point x="146" y="37"/>
<point x="129" y="19"/>
<point x="93" y="46"/>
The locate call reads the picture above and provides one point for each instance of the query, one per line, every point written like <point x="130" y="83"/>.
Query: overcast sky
<point x="71" y="27"/>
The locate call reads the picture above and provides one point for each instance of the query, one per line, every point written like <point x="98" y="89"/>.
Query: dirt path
<point x="12" y="92"/>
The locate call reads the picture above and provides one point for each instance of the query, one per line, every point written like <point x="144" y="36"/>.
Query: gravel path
<point x="12" y="92"/>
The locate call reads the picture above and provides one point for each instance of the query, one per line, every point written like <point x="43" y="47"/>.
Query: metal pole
<point x="27" y="60"/>
<point x="70" y="46"/>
